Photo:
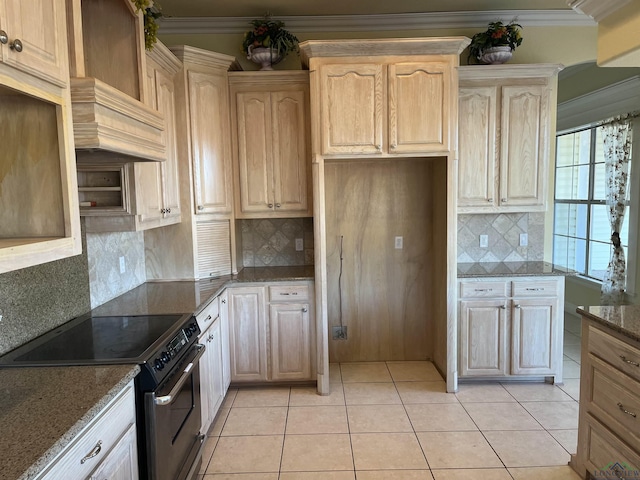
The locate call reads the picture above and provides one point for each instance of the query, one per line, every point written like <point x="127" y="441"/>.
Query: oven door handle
<point x="168" y="399"/>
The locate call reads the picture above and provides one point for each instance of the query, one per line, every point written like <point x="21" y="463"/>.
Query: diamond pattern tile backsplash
<point x="272" y="242"/>
<point x="504" y="232"/>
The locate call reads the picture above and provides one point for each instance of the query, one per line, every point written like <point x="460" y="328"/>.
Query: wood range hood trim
<point x="107" y="120"/>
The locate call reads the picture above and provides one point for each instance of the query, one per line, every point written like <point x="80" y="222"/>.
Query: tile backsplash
<point x="272" y="242"/>
<point x="503" y="231"/>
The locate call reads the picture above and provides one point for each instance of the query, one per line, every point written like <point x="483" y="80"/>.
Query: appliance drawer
<point x="288" y="293"/>
<point x="621" y="355"/>
<point x="483" y="289"/>
<point x="92" y="445"/>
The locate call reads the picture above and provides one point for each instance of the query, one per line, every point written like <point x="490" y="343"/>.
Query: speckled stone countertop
<point x="510" y="269"/>
<point x="192" y="296"/>
<point x="624" y="319"/>
<point x="42" y="409"/>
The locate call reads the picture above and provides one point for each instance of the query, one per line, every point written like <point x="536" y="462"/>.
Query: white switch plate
<point x="524" y="239"/>
<point x="484" y="241"/>
<point x="399" y="243"/>
<point x="122" y="265"/>
<point x="299" y="245"/>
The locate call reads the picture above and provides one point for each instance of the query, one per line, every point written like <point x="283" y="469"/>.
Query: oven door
<point x="173" y="422"/>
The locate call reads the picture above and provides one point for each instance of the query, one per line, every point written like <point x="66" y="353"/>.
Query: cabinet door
<point x="253" y="110"/>
<point x="290" y="342"/>
<point x="483" y="337"/>
<point x="224" y="333"/>
<point x="211" y="388"/>
<point x="477" y="147"/>
<point x="209" y="121"/>
<point x="40" y="26"/>
<point x="248" y="339"/>
<point x="352" y="108"/>
<point x="122" y="462"/>
<point x="419" y="107"/>
<point x="534" y="341"/>
<point x="289" y="127"/>
<point x="524" y="141"/>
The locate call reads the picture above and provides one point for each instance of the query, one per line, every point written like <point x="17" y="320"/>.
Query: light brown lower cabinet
<point x="271" y="332"/>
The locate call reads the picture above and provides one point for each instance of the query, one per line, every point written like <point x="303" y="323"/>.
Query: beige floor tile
<point x="322" y="419"/>
<point x="242" y="476"/>
<point x="371" y="394"/>
<point x="413" y="372"/>
<point x="536" y="392"/>
<point x="567" y="438"/>
<point x="483" y="393"/>
<point x="219" y="421"/>
<point x="527" y="449"/>
<point x="316" y="453"/>
<point x="439" y="417"/>
<point x="262" y="397"/>
<point x="425" y="392"/>
<point x="394" y="474"/>
<point x="472" y="474"/>
<point x="570" y="369"/>
<point x="229" y="398"/>
<point x="457" y="450"/>
<point x="318" y="476"/>
<point x="365" y="372"/>
<point x="308" y="396"/>
<point x="501" y="416"/>
<point x="247" y="454"/>
<point x="571" y="387"/>
<point x="554" y="415"/>
<point x="571" y="338"/>
<point x="546" y="473"/>
<point x="387" y="451"/>
<point x="573" y="352"/>
<point x="334" y="373"/>
<point x="378" y="419"/>
<point x="207" y="453"/>
<point x="255" y="421"/>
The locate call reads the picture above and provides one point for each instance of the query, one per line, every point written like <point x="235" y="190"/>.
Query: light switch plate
<point x="399" y="243"/>
<point x="484" y="241"/>
<point x="524" y="239"/>
<point x="123" y="268"/>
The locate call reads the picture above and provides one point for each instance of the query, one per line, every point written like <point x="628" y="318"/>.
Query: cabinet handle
<point x="208" y="318"/>
<point x="483" y="290"/>
<point x="278" y="205"/>
<point x="200" y="207"/>
<point x="517" y="305"/>
<point x="4" y="38"/>
<point x="16" y="45"/>
<point x="535" y="289"/>
<point x="630" y="362"/>
<point x="622" y="409"/>
<point x="490" y="200"/>
<point x="503" y="307"/>
<point x="503" y="200"/>
<point x="95" y="451"/>
<point x="305" y="310"/>
<point x="270" y="205"/>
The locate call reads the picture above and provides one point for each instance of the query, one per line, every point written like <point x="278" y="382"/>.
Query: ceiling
<point x="256" y="8"/>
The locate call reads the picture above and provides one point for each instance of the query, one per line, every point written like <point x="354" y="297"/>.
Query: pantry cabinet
<point x="505" y="136"/>
<point x="511" y="327"/>
<point x="270" y="132"/>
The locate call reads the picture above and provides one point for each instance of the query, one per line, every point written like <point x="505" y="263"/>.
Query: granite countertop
<point x="510" y="269"/>
<point x="43" y="408"/>
<point x="624" y="319"/>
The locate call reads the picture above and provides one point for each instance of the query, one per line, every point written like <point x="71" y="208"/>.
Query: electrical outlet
<point x="1" y="314"/>
<point x="123" y="267"/>
<point x="299" y="245"/>
<point x="339" y="333"/>
<point x="484" y="241"/>
<point x="524" y="239"/>
<point x="399" y="243"/>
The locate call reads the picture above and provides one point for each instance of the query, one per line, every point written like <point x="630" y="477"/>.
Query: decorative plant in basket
<point x="152" y="13"/>
<point x="496" y="44"/>
<point x="269" y="42"/>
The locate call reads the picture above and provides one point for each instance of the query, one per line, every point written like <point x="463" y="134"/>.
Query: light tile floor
<point x="394" y="420"/>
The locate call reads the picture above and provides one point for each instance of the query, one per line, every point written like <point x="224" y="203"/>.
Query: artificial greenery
<point x="151" y="14"/>
<point x="497" y="35"/>
<point x="270" y="33"/>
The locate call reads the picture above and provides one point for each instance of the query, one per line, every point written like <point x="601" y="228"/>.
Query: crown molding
<point x="366" y="23"/>
<point x="597" y="9"/>
<point x="591" y="108"/>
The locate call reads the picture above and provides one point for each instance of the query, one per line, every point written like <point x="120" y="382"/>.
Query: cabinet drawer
<point x="99" y="438"/>
<point x="288" y="293"/>
<point x="607" y="453"/>
<point x="483" y="289"/>
<point x="540" y="288"/>
<point x="206" y="317"/>
<point x="616" y="395"/>
<point x="622" y="356"/>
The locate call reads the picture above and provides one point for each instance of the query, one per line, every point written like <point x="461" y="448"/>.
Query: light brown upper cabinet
<point x="33" y="38"/>
<point x="506" y="117"/>
<point x="386" y="108"/>
<point x="270" y="131"/>
<point x="38" y="187"/>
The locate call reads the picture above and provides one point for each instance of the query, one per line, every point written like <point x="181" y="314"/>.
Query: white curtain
<point x="617" y="152"/>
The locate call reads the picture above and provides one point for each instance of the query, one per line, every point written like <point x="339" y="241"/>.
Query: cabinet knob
<point x="490" y="200"/>
<point x="163" y="211"/>
<point x="223" y="301"/>
<point x="517" y="305"/>
<point x="278" y="205"/>
<point x="305" y="310"/>
<point x="503" y="307"/>
<point x="168" y="210"/>
<point x="379" y="148"/>
<point x="16" y="45"/>
<point x="393" y="146"/>
<point x="270" y="205"/>
<point x="4" y="38"/>
<point x="200" y="207"/>
<point x="503" y="200"/>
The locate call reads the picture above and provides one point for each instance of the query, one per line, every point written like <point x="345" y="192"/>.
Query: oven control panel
<point x="172" y="350"/>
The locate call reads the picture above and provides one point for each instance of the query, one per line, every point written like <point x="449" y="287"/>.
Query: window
<point x="581" y="233"/>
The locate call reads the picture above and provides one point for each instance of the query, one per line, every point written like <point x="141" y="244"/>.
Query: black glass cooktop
<point x="87" y="340"/>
